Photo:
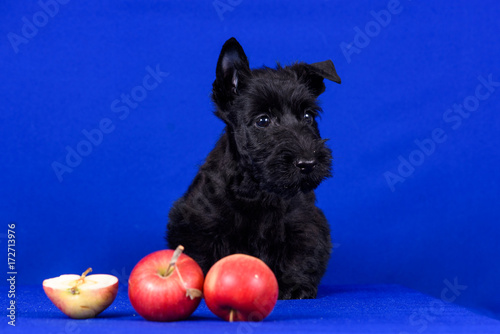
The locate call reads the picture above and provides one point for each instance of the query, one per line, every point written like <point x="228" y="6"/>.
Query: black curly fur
<point x="252" y="195"/>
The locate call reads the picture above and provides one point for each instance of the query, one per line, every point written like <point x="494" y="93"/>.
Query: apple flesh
<point x="240" y="288"/>
<point x="166" y="286"/>
<point x="81" y="297"/>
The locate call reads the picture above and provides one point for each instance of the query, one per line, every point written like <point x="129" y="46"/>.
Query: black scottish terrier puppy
<point x="254" y="193"/>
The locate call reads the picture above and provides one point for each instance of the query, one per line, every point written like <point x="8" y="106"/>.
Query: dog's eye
<point x="263" y="121"/>
<point x="308" y="117"/>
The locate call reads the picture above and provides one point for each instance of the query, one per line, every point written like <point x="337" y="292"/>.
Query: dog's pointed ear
<point x="232" y="67"/>
<point x="327" y="70"/>
<point x="232" y="59"/>
<point x="313" y="75"/>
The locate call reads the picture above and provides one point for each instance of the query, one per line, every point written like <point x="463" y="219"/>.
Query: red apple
<point x="166" y="286"/>
<point x="240" y="288"/>
<point x="81" y="297"/>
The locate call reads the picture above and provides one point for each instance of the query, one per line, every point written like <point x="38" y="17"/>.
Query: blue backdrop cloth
<point x="338" y="309"/>
<point x="105" y="117"/>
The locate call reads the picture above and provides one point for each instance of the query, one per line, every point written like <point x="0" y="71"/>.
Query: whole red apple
<point x="240" y="288"/>
<point x="166" y="286"/>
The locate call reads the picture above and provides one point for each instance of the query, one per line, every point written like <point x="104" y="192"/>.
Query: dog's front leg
<point x="305" y="259"/>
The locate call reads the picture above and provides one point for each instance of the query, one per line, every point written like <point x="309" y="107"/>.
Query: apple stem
<point x="74" y="289"/>
<point x="178" y="251"/>
<point x="231" y="315"/>
<point x="85" y="273"/>
<point x="190" y="292"/>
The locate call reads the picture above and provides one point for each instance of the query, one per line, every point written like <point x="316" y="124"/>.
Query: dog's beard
<point x="279" y="174"/>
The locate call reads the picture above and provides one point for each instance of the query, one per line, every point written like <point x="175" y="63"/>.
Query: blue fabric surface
<point x="338" y="309"/>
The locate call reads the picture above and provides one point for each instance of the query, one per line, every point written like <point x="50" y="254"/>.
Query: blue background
<point x="400" y="78"/>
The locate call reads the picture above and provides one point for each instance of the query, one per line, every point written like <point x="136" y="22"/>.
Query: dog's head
<point x="271" y="119"/>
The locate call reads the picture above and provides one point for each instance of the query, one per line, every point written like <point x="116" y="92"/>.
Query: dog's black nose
<point x="305" y="166"/>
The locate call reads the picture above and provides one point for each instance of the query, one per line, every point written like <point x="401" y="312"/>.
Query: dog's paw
<point x="301" y="292"/>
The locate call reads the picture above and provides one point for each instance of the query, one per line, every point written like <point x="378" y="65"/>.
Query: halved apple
<point x="81" y="297"/>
